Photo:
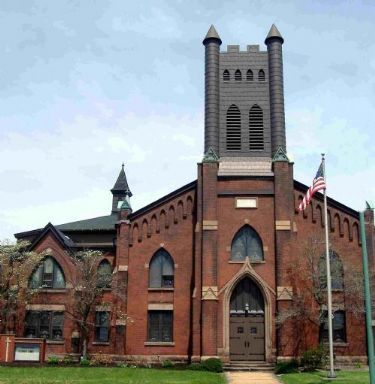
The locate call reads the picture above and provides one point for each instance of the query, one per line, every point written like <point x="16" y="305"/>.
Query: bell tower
<point x="244" y="104"/>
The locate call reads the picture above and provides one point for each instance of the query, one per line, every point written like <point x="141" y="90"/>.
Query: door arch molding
<point x="248" y="271"/>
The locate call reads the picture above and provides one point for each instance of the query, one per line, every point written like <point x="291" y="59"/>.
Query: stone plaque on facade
<point x="284" y="293"/>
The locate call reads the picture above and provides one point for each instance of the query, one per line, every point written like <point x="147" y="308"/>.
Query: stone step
<point x="248" y="369"/>
<point x="260" y="366"/>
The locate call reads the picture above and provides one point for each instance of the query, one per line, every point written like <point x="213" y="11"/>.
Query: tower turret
<point x="212" y="44"/>
<point x="274" y="42"/>
<point x="120" y="191"/>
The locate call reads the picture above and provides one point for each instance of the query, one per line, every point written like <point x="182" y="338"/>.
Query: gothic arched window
<point x="249" y="75"/>
<point x="48" y="274"/>
<point x="256" y="136"/>
<point x="161" y="270"/>
<point x="226" y="75"/>
<point x="247" y="243"/>
<point x="261" y="75"/>
<point x="104" y="274"/>
<point x="233" y="138"/>
<point x="337" y="271"/>
<point x="238" y="75"/>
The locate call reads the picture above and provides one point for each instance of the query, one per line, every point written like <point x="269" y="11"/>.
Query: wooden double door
<point x="246" y="322"/>
<point x="247" y="338"/>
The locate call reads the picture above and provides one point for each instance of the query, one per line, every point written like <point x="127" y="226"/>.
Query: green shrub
<point x="196" y="367"/>
<point x="167" y="364"/>
<point x="84" y="362"/>
<point x="213" y="365"/>
<point x="287" y="367"/>
<point x="314" y="358"/>
<point x="68" y="359"/>
<point x="101" y="359"/>
<point x="53" y="360"/>
<point x="357" y="363"/>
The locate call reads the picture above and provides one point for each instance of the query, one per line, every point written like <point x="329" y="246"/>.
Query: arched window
<point x="249" y="75"/>
<point x="238" y="75"/>
<point x="246" y="297"/>
<point x="226" y="75"/>
<point x="233" y="139"/>
<point x="339" y="327"/>
<point x="161" y="270"/>
<point x="256" y="136"/>
<point x="261" y="75"/>
<point x="337" y="271"/>
<point x="104" y="274"/>
<point x="247" y="243"/>
<point x="48" y="275"/>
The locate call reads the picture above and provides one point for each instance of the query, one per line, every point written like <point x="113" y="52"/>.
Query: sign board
<point x="27" y="352"/>
<point x="250" y="202"/>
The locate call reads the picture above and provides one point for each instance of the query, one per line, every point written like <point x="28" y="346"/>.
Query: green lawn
<point x="91" y="375"/>
<point x="343" y="377"/>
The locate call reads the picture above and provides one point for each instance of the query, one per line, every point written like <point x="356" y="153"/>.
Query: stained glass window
<point x="48" y="275"/>
<point x="247" y="243"/>
<point x="161" y="270"/>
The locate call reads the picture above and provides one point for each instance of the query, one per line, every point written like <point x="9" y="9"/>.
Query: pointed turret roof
<point x="121" y="184"/>
<point x="212" y="34"/>
<point x="274" y="33"/>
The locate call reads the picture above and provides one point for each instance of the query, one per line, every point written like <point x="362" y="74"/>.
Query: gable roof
<point x="105" y="223"/>
<point x="64" y="240"/>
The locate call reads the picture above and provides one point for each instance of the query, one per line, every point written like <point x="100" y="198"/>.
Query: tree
<point x="88" y="287"/>
<point x="16" y="265"/>
<point x="307" y="275"/>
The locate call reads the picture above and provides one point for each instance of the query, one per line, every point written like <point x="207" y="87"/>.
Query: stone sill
<point x="52" y="290"/>
<point x="161" y="289"/>
<point x="159" y="343"/>
<point x="100" y="343"/>
<point x="337" y="344"/>
<point x="251" y="262"/>
<point x="55" y="342"/>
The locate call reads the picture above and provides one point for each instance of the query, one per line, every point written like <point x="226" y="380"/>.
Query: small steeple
<point x="272" y="34"/>
<point x="121" y="184"/>
<point x="212" y="34"/>
<point x="120" y="190"/>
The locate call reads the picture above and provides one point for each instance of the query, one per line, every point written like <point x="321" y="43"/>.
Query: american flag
<point x="317" y="185"/>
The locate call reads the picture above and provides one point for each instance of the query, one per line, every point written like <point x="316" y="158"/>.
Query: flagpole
<point x="331" y="373"/>
<point x="370" y="337"/>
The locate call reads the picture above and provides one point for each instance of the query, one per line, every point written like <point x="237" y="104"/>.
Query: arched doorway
<point x="246" y="322"/>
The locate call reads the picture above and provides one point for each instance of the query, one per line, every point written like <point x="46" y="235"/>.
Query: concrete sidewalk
<point x="251" y="378"/>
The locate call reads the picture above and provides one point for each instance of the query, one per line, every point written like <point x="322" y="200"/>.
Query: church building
<point x="215" y="268"/>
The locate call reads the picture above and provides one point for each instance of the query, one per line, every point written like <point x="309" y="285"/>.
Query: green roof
<point x="101" y="223"/>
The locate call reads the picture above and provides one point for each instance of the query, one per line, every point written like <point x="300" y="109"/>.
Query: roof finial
<point x="123" y="164"/>
<point x="212" y="35"/>
<point x="274" y="34"/>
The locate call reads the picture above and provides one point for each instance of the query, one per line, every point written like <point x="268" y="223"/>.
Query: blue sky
<point x="85" y="85"/>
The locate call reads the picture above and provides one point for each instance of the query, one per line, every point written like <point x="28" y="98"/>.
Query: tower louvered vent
<point x="233" y="139"/>
<point x="261" y="75"/>
<point x="238" y="75"/>
<point x="256" y="135"/>
<point x="249" y="75"/>
<point x="226" y="75"/>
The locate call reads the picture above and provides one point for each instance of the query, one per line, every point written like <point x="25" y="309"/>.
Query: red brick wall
<point x="344" y="240"/>
<point x="170" y="227"/>
<point x="176" y="225"/>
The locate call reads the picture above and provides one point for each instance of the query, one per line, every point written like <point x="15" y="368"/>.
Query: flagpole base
<point x="331" y="375"/>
